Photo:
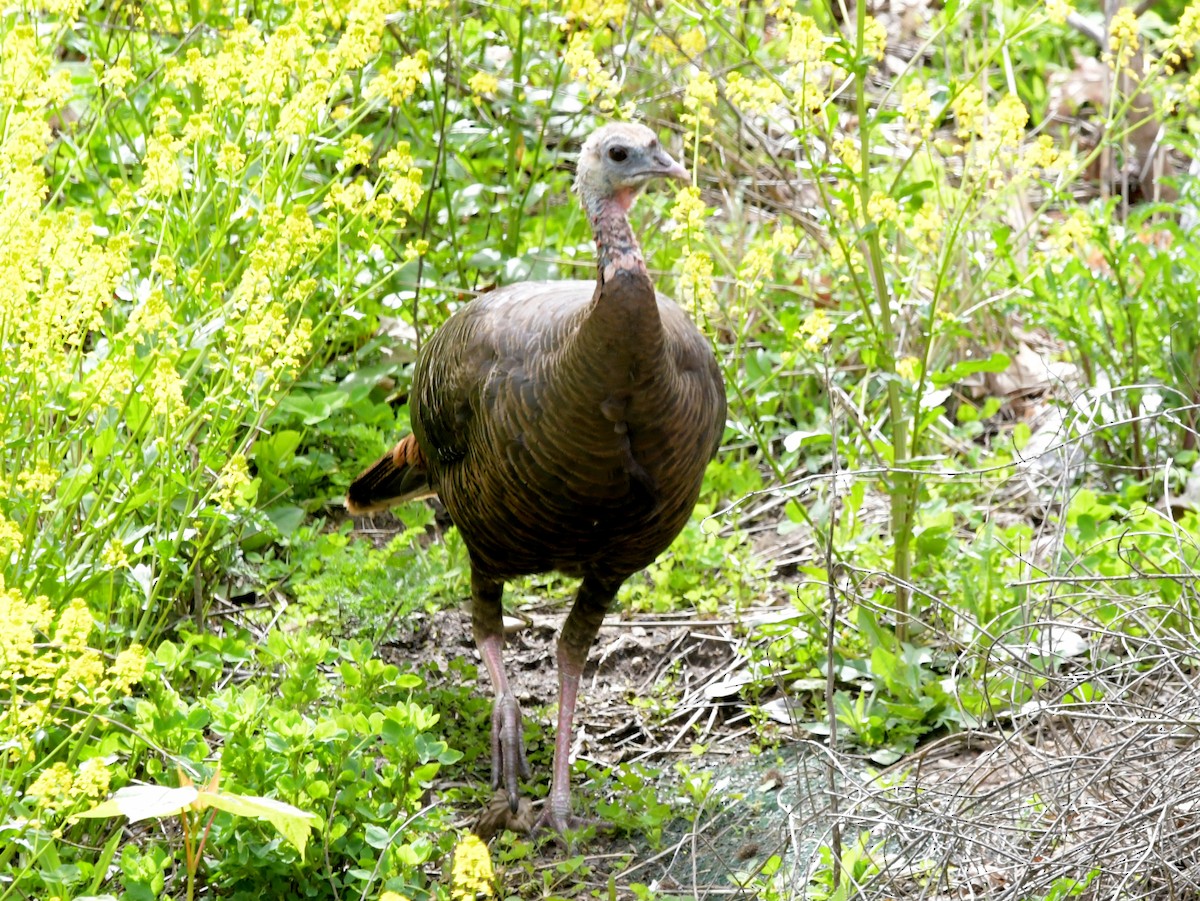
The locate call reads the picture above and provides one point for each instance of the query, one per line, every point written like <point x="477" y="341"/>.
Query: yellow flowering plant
<point x="177" y="247"/>
<point x="225" y="231"/>
<point x="904" y="180"/>
<point x="135" y="341"/>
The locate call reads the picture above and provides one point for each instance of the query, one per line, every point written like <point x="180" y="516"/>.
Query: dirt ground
<point x="684" y="666"/>
<point x="1054" y="799"/>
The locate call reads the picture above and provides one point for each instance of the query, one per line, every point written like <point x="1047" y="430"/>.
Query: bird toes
<point x="497" y="817"/>
<point x="558" y="823"/>
<point x="509" y="763"/>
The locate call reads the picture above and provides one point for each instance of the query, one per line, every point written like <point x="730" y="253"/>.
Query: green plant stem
<point x="903" y="485"/>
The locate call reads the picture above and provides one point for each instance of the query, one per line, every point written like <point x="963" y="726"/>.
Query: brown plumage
<point x="399" y="475"/>
<point x="566" y="426"/>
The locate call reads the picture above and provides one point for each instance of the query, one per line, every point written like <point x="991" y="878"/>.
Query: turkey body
<point x="550" y="458"/>
<point x="566" y="426"/>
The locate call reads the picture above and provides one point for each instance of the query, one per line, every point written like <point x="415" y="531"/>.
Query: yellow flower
<point x="472" y="871"/>
<point x="806" y="43"/>
<point x="11" y="537"/>
<point x="83" y="675"/>
<point x="586" y="68"/>
<point x="392" y="896"/>
<point x="305" y="107"/>
<point x="699" y="97"/>
<point x="916" y="106"/>
<point x="1071" y="233"/>
<point x="363" y="31"/>
<point x="351" y="198"/>
<point x="968" y="110"/>
<point x="230" y="159"/>
<point x="756" y="263"/>
<point x="113" y="556"/>
<point x="882" y="208"/>
<point x="598" y="12"/>
<point x="117" y="77"/>
<point x="846" y="150"/>
<point x="908" y="368"/>
<point x="1186" y="33"/>
<point x="693" y="42"/>
<point x="406" y="190"/>
<point x="688" y="213"/>
<point x="52" y="787"/>
<point x="818" y="326"/>
<point x="759" y="260"/>
<point x="1010" y="118"/>
<point x="874" y="38"/>
<point x="161" y="172"/>
<point x="20" y="621"/>
<point x="75" y="625"/>
<point x="927" y="229"/>
<point x="294" y="350"/>
<point x="165" y="266"/>
<point x="1058" y="10"/>
<point x="1123" y="40"/>
<point x="758" y="95"/>
<point x="127" y="669"/>
<point x="235" y="488"/>
<point x="164" y="390"/>
<point x="695" y="281"/>
<point x="112" y="381"/>
<point x="1042" y="154"/>
<point x="398" y="82"/>
<point x="93" y="777"/>
<point x="68" y="9"/>
<point x="398" y="159"/>
<point x="810" y="96"/>
<point x="38" y="480"/>
<point x="356" y="150"/>
<point x="151" y="316"/>
<point x="483" y="83"/>
<point x="662" y="45"/>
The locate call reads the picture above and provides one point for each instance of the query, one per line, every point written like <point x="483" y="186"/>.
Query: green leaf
<point x="143" y="802"/>
<point x="377" y="837"/>
<point x="103" y="443"/>
<point x="1086" y="524"/>
<point x="799" y="439"/>
<point x="956" y="372"/>
<point x="287" y="518"/>
<point x="293" y="823"/>
<point x="917" y="187"/>
<point x="1021" y="434"/>
<point x="933" y="542"/>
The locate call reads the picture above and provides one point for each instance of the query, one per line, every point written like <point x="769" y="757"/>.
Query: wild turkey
<point x="565" y="426"/>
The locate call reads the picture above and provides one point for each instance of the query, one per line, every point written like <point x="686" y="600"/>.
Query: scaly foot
<point x="508" y="748"/>
<point x="558" y="820"/>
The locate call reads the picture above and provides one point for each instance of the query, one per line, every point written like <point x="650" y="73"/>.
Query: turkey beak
<point x="668" y="168"/>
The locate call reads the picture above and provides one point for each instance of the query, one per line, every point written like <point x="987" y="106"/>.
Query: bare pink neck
<point x="620" y="338"/>
<point x="617" y="247"/>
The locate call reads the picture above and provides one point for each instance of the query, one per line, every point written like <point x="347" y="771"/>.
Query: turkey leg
<point x="578" y="633"/>
<point x="508" y="732"/>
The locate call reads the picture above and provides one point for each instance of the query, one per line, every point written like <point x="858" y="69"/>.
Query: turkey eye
<point x="617" y="154"/>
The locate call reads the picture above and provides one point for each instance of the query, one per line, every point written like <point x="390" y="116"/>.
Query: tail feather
<point x="399" y="475"/>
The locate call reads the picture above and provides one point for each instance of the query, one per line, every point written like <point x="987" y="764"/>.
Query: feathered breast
<point x="558" y="445"/>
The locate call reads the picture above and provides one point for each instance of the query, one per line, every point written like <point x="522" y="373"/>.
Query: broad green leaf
<point x="143" y="802"/>
<point x="293" y="823"/>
